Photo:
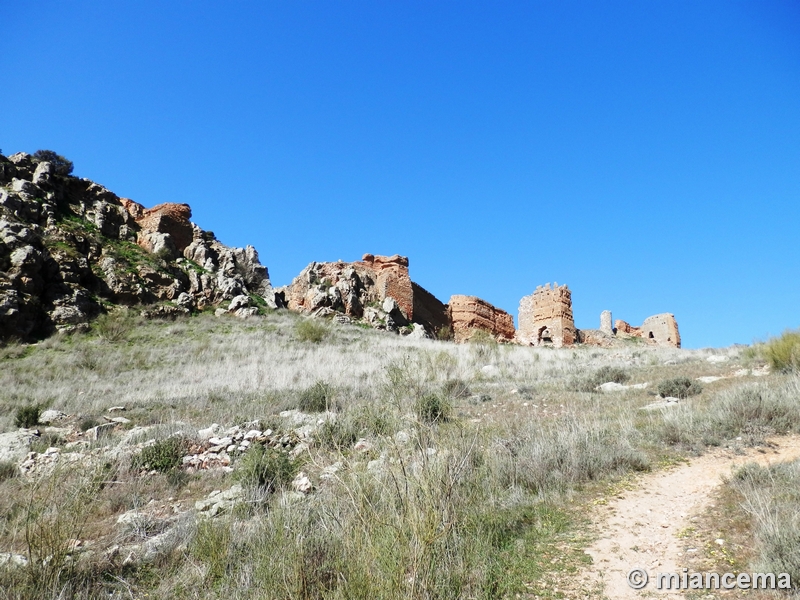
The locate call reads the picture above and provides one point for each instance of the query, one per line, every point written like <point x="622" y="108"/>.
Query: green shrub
<point x="432" y="408"/>
<point x="317" y="398"/>
<point x="483" y="337"/>
<point x="456" y="388"/>
<point x="344" y="431"/>
<point x="28" y="416"/>
<point x="61" y="166"/>
<point x="783" y="353"/>
<point x="444" y="333"/>
<point x="8" y="470"/>
<point x="610" y="374"/>
<point x="114" y="326"/>
<point x="163" y="456"/>
<point x="266" y="469"/>
<point x="679" y="387"/>
<point x="309" y="330"/>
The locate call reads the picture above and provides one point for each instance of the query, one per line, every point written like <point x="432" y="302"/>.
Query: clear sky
<point x="647" y="154"/>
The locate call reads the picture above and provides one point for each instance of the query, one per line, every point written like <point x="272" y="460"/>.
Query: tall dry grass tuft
<point x="772" y="498"/>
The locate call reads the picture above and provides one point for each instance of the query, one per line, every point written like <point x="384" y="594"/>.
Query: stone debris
<point x="612" y="386"/>
<point x="667" y="402"/>
<point x="116" y="409"/>
<point x="216" y="452"/>
<point x="717" y="358"/>
<point x="218" y="501"/>
<point x="362" y="445"/>
<point x="709" y="378"/>
<point x="302" y="483"/>
<point x="13" y="560"/>
<point x="99" y="432"/>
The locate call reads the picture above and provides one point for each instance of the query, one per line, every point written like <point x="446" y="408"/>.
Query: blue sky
<point x="647" y="154"/>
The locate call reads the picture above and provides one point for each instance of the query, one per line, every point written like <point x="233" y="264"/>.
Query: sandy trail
<point x="639" y="529"/>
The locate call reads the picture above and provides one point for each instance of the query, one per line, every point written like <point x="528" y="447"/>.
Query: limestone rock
<point x="64" y="254"/>
<point x="50" y="415"/>
<point x="14" y="445"/>
<point x="218" y="501"/>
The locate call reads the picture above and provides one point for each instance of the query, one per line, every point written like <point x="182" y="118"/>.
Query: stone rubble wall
<point x="469" y="314"/>
<point x="661" y="330"/>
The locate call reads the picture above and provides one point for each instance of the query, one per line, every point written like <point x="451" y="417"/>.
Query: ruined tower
<point x="545" y="317"/>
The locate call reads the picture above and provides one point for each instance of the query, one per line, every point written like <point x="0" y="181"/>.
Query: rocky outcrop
<point x="376" y="290"/>
<point x="545" y="317"/>
<point x="469" y="315"/>
<point x="69" y="246"/>
<point x="661" y="330"/>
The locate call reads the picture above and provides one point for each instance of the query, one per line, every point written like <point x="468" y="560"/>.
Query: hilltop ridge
<point x="71" y="249"/>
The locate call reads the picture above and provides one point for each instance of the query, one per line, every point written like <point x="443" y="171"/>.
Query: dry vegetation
<point x="474" y="465"/>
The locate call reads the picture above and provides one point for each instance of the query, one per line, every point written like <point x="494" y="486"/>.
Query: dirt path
<point x="639" y="528"/>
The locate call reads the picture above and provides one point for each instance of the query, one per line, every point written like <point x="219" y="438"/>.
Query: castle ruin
<point x="545" y="317"/>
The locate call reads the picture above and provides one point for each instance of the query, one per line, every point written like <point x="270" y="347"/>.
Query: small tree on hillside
<point x="61" y="166"/>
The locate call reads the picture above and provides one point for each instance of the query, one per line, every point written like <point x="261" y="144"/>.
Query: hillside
<point x="70" y="249"/>
<point x="287" y="457"/>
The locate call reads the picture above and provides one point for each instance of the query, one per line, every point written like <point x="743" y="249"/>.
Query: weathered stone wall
<point x="469" y="315"/>
<point x="165" y="219"/>
<point x="355" y="289"/>
<point x="661" y="330"/>
<point x="545" y="317"/>
<point x="392" y="280"/>
<point x="429" y="311"/>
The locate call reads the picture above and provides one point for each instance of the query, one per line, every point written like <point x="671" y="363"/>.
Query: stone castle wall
<point x="546" y="317"/>
<point x="469" y="314"/>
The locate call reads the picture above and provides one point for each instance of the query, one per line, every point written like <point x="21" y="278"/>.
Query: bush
<point x="444" y="333"/>
<point x="783" y="353"/>
<point x="266" y="469"/>
<point x="8" y="470"/>
<point x="114" y="326"/>
<point x="610" y="374"/>
<point x="61" y="166"/>
<point x="679" y="387"/>
<point x="309" y="330"/>
<point x="163" y="456"/>
<point x="317" y="398"/>
<point x="28" y="416"/>
<point x="456" y="388"/>
<point x="344" y="431"/>
<point x="601" y="376"/>
<point x="432" y="408"/>
<point x="771" y="497"/>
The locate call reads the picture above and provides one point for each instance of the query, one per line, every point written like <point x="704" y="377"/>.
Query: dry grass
<point x="464" y="497"/>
